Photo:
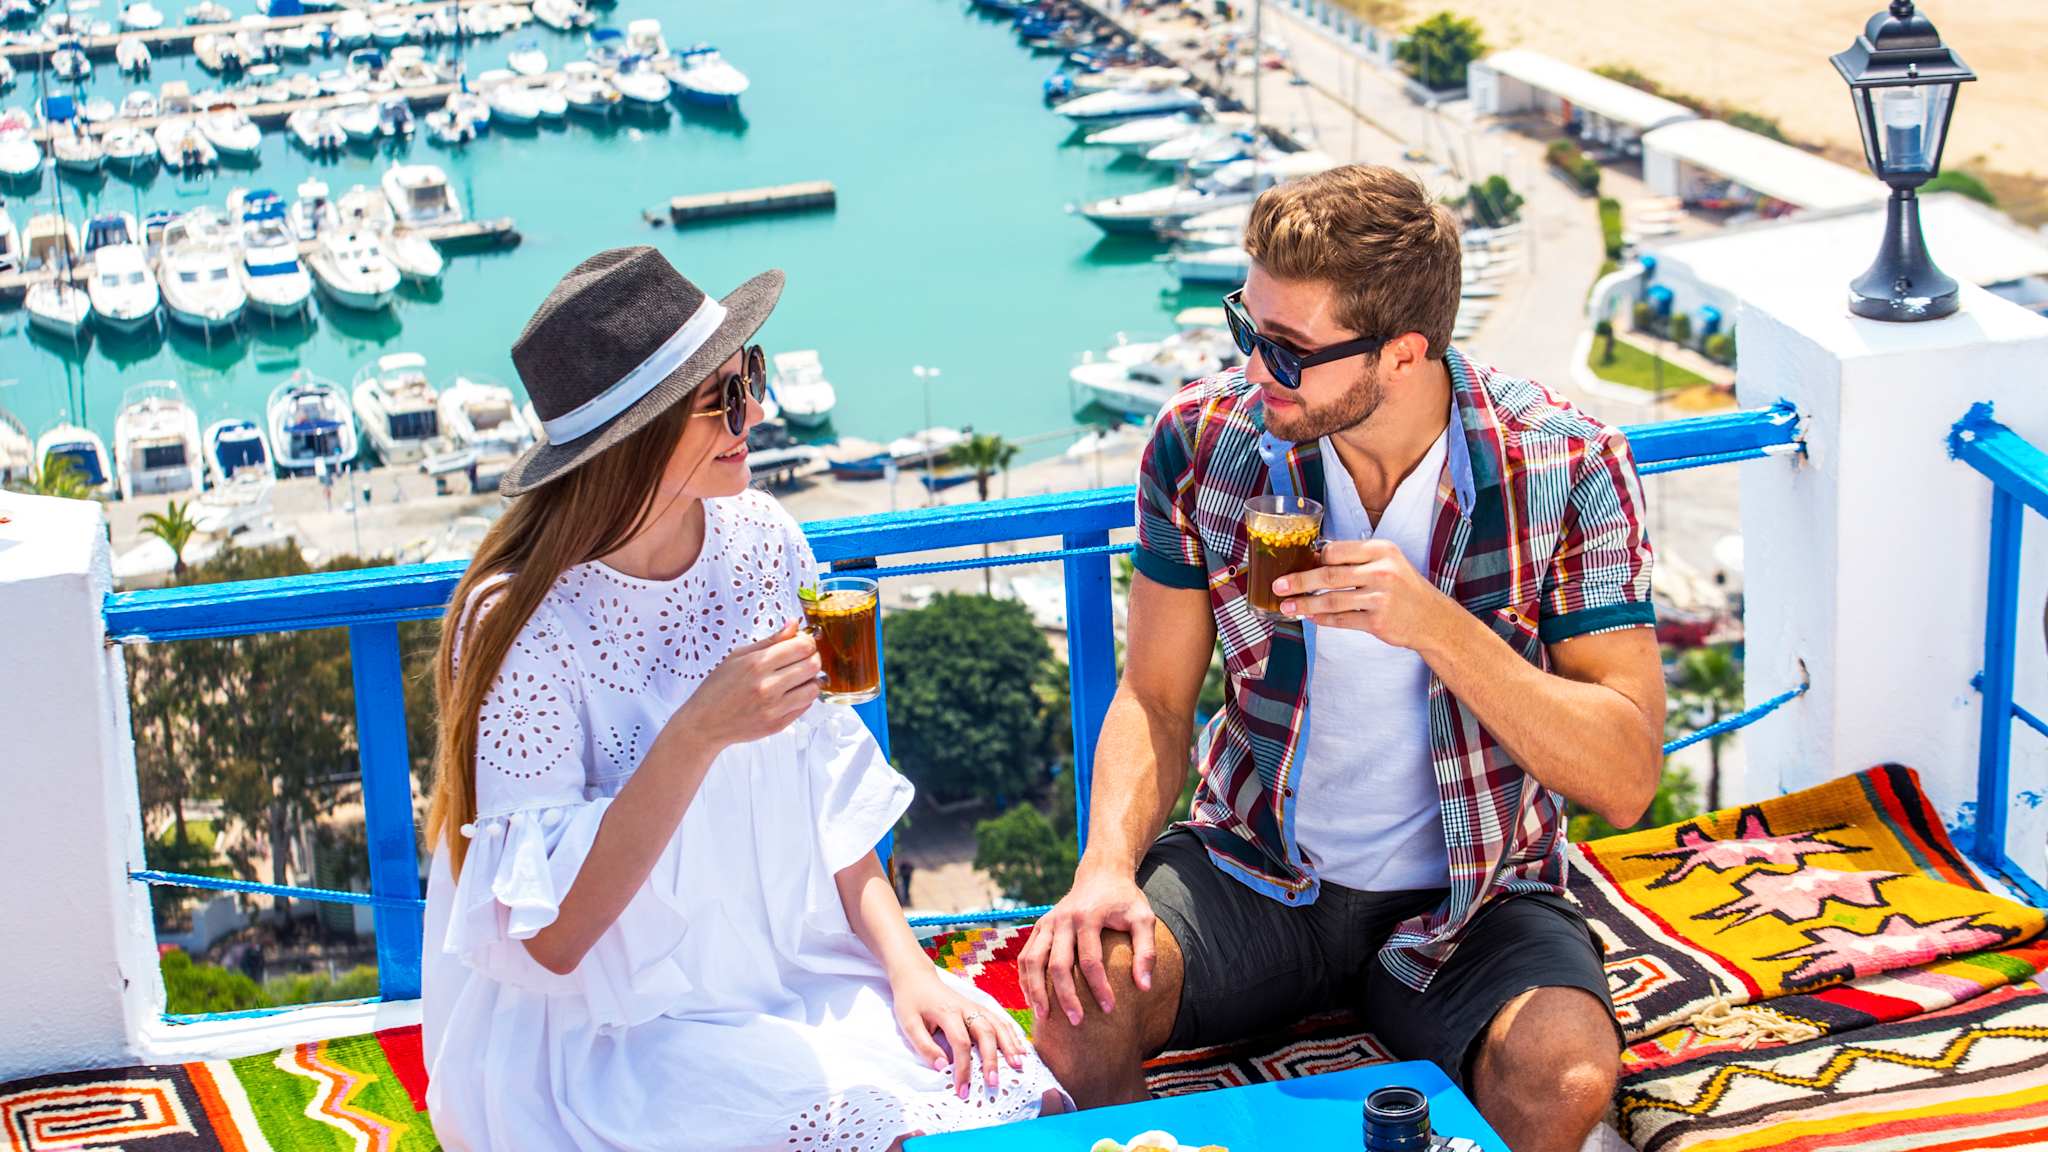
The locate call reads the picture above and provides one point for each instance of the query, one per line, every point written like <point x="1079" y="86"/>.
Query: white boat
<point x="123" y="288"/>
<point x="586" y="91"/>
<point x="527" y="59"/>
<point x="1213" y="144"/>
<point x="391" y="31"/>
<point x="11" y="256"/>
<point x="1169" y="206"/>
<point x="96" y="110"/>
<point x="640" y="85"/>
<point x="50" y="241"/>
<point x="1141" y="76"/>
<point x="1119" y="104"/>
<point x="335" y="82"/>
<point x="83" y="450"/>
<point x="703" y="76"/>
<point x="1220" y="265"/>
<point x="1137" y="137"/>
<point x="1139" y="378"/>
<point x="351" y="29"/>
<point x="138" y="105"/>
<point x="394" y="117"/>
<point x="550" y="102"/>
<point x="141" y="16"/>
<point x="58" y="306"/>
<point x="410" y="68"/>
<point x="176" y="99"/>
<point x="132" y="57"/>
<point x="353" y="270"/>
<point x="448" y="129"/>
<point x="237" y="452"/>
<point x="208" y="12"/>
<point x="74" y="149"/>
<point x="927" y="444"/>
<point x="196" y="272"/>
<point x="366" y="67"/>
<point x="220" y="52"/>
<point x="20" y="155"/>
<point x="562" y="15"/>
<point x="128" y="149"/>
<point x="230" y="131"/>
<point x="399" y="410"/>
<point x="469" y="107"/>
<point x="510" y="99"/>
<point x="415" y="256"/>
<point x="294" y="43"/>
<point x="277" y="284"/>
<point x="311" y="212"/>
<point x="318" y="130"/>
<point x="644" y="39"/>
<point x="801" y="389"/>
<point x="17" y="450"/>
<point x="420" y="195"/>
<point x="183" y="147"/>
<point x="481" y="415"/>
<point x="156" y="441"/>
<point x="70" y="63"/>
<point x="109" y="229"/>
<point x="357" y="116"/>
<point x="310" y="423"/>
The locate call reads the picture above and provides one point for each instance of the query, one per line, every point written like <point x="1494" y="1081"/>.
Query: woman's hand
<point x="927" y="1007"/>
<point x="755" y="692"/>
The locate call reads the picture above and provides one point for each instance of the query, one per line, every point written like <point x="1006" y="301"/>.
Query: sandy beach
<point x="1770" y="56"/>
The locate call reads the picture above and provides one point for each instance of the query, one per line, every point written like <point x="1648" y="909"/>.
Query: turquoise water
<point x="950" y="245"/>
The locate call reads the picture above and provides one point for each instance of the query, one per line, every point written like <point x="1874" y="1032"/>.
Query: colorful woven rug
<point x="1843" y="882"/>
<point x="1973" y="1076"/>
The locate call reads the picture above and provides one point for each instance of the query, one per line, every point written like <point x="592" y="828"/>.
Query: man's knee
<point x="1141" y="1022"/>
<point x="1551" y="1050"/>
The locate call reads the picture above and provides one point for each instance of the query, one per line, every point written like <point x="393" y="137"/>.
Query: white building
<point x="1715" y="164"/>
<point x="1595" y="108"/>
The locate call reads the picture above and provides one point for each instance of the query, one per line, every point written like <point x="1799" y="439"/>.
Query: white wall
<point x="80" y="965"/>
<point x="1867" y="562"/>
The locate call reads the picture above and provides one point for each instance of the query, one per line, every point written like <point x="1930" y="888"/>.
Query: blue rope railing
<point x="288" y="891"/>
<point x="992" y="916"/>
<point x="1741" y="719"/>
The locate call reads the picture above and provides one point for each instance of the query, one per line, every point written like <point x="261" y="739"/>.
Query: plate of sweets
<point x="1153" y="1141"/>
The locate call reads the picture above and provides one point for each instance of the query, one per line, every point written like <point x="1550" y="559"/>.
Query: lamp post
<point x="1903" y="81"/>
<point x="926" y="376"/>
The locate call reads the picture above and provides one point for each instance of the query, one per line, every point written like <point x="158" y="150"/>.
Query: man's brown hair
<point x="1376" y="236"/>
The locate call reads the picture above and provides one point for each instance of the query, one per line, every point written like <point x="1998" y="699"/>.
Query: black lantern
<point x="1903" y="80"/>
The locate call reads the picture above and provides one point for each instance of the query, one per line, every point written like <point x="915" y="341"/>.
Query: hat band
<point x="600" y="409"/>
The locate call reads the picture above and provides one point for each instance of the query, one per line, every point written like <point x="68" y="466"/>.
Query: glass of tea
<point x="1284" y="533"/>
<point x="839" y="613"/>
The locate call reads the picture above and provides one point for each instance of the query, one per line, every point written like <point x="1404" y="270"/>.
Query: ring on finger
<point x="971" y="1019"/>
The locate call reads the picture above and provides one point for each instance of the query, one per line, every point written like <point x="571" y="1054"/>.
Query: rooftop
<point x="1773" y="168"/>
<point x="1612" y="99"/>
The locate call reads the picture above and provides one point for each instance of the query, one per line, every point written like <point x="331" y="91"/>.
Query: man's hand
<point x="1368" y="585"/>
<point x="1071" y="934"/>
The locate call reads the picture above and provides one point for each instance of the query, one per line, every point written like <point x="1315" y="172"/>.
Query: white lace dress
<point x="730" y="1006"/>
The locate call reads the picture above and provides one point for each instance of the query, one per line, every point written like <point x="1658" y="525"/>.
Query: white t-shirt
<point x="1366" y="810"/>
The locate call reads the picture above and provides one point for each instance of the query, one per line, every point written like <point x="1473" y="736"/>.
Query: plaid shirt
<point x="1538" y="532"/>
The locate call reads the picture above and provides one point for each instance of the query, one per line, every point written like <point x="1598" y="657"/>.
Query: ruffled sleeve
<point x="534" y="829"/>
<point x="856" y="796"/>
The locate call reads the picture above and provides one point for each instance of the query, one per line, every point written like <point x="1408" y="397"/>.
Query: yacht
<point x="1134" y="76"/>
<point x="563" y="15"/>
<point x="230" y="131"/>
<point x="510" y="99"/>
<point x="312" y="212"/>
<point x="196" y="272"/>
<point x="1139" y="378"/>
<point x="528" y="59"/>
<point x="394" y="117"/>
<point x="357" y="116"/>
<point x="351" y="268"/>
<point x="801" y="390"/>
<point x="17" y="451"/>
<point x="410" y="68"/>
<point x="351" y="29"/>
<point x="1223" y="264"/>
<point x="550" y="102"/>
<point x="97" y="110"/>
<point x="586" y="91"/>
<point x="133" y="58"/>
<point x="399" y="410"/>
<point x="310" y="423"/>
<point x="122" y="288"/>
<point x="1119" y="104"/>
<point x="481" y="415"/>
<point x="138" y="105"/>
<point x="471" y="107"/>
<point x="1137" y="137"/>
<point x="156" y="441"/>
<point x="183" y="147"/>
<point x="276" y="282"/>
<point x="141" y="16"/>
<point x="317" y="130"/>
<point x="75" y="149"/>
<point x="236" y="449"/>
<point x="1233" y="184"/>
<point x="640" y="85"/>
<point x="83" y="450"/>
<point x="58" y="306"/>
<point x="703" y="76"/>
<point x="128" y="149"/>
<point x="20" y="156"/>
<point x="219" y="52"/>
<point x="71" y="63"/>
<point x="391" y="31"/>
<point x="448" y="129"/>
<point x="644" y="39"/>
<point x="420" y="195"/>
<point x="415" y="256"/>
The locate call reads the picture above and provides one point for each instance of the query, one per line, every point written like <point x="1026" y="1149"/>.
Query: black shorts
<point x="1253" y="965"/>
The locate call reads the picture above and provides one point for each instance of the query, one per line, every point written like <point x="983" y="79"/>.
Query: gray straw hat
<point x="618" y="341"/>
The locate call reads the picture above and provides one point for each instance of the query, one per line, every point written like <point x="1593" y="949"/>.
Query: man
<point x="1477" y="645"/>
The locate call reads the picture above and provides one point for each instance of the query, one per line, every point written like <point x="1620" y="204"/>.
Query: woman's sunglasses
<point x="1283" y="362"/>
<point x="737" y="388"/>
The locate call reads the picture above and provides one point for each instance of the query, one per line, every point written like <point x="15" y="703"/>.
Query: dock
<point x="463" y="235"/>
<point x="178" y="38"/>
<point x="811" y="194"/>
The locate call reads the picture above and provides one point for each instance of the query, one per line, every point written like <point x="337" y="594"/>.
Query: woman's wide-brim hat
<point x="618" y="341"/>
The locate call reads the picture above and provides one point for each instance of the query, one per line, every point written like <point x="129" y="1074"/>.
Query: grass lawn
<point x="1635" y="368"/>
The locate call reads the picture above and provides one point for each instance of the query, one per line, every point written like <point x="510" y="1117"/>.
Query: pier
<point x="179" y="37"/>
<point x="801" y="197"/>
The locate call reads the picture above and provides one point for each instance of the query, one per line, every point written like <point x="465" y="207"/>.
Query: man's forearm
<point x="1140" y="765"/>
<point x="1586" y="741"/>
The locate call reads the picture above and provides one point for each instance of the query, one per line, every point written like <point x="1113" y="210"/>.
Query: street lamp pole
<point x="926" y="376"/>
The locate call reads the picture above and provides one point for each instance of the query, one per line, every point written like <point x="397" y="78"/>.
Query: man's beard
<point x="1350" y="410"/>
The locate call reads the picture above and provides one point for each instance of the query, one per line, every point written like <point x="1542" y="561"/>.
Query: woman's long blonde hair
<point x="588" y="513"/>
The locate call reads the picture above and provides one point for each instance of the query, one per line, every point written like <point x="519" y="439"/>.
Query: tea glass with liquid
<point x="839" y="613"/>
<point x="1285" y="533"/>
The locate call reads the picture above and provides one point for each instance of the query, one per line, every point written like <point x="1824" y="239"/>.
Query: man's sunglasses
<point x="1283" y="362"/>
<point x="738" y="387"/>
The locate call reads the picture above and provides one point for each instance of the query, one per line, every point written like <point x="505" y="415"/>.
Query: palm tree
<point x="1710" y="677"/>
<point x="174" y="526"/>
<point x="1438" y="49"/>
<point x="987" y="453"/>
<point x="59" y="477"/>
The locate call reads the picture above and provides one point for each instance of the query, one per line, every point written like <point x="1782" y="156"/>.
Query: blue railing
<point x="2018" y="472"/>
<point x="371" y="603"/>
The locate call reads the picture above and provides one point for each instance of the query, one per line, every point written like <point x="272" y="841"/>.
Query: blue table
<point x="1322" y="1113"/>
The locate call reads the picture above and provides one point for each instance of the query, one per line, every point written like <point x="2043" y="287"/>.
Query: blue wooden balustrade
<point x="371" y="602"/>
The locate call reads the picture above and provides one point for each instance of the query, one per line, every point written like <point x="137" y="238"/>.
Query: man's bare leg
<point x="1546" y="1068"/>
<point x="1100" y="1061"/>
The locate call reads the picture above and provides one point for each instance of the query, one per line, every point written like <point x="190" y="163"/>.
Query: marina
<point x="181" y="38"/>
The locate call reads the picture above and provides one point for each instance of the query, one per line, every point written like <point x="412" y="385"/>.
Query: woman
<point x="656" y="919"/>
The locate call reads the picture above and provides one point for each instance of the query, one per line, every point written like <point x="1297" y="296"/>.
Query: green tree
<point x="1720" y="347"/>
<point x="1681" y="328"/>
<point x="59" y="476"/>
<point x="1709" y="679"/>
<point x="1957" y="180"/>
<point x="967" y="703"/>
<point x="1494" y="201"/>
<point x="1439" y="49"/>
<point x="191" y="987"/>
<point x="988" y="454"/>
<point x="1025" y="854"/>
<point x="174" y="526"/>
<point x="1754" y="122"/>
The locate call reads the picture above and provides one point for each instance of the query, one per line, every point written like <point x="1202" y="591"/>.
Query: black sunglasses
<point x="1285" y="363"/>
<point x="751" y="381"/>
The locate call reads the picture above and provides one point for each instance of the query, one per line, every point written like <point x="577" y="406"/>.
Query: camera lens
<point x="1397" y="1120"/>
